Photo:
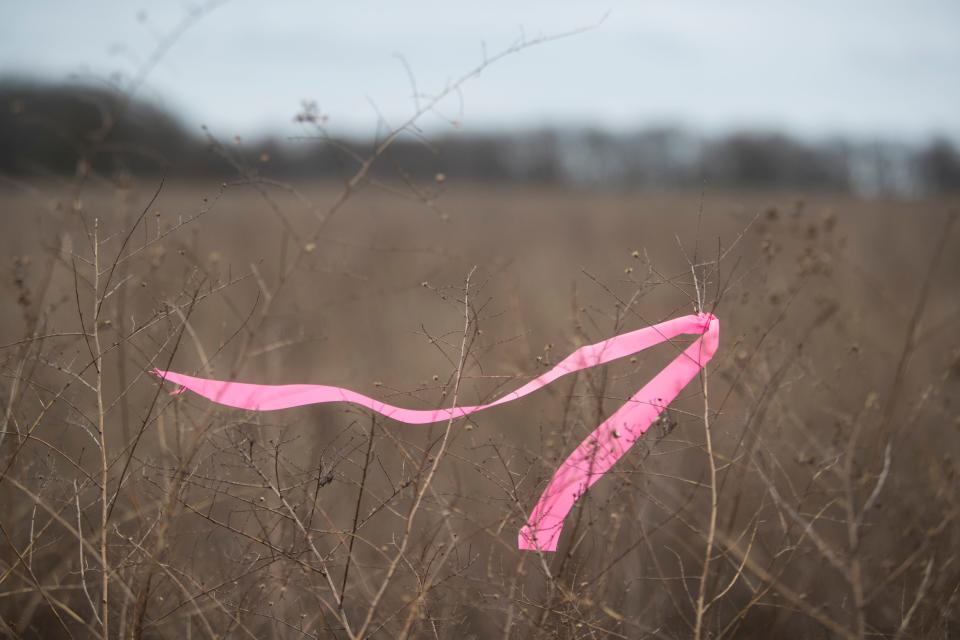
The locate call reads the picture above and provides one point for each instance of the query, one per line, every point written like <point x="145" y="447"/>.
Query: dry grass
<point x="825" y="504"/>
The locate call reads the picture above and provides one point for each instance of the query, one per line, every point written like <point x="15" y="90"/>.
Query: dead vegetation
<point x="805" y="486"/>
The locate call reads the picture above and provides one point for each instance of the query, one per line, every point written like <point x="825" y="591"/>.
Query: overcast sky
<point x="856" y="67"/>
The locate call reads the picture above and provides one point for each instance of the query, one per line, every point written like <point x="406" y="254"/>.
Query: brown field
<point x="832" y="410"/>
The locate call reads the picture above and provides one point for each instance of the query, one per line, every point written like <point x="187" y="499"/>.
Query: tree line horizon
<point x="59" y="129"/>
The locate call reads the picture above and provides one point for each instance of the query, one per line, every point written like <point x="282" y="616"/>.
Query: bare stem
<point x="702" y="604"/>
<point x="401" y="552"/>
<point x="101" y="433"/>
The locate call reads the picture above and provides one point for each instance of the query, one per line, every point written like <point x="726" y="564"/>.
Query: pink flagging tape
<point x="588" y="462"/>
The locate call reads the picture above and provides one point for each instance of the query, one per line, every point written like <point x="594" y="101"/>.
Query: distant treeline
<point x="59" y="130"/>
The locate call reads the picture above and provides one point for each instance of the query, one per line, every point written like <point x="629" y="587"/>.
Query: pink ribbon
<point x="588" y="462"/>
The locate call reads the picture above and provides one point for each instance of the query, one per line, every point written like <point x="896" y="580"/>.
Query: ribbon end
<point x="163" y="376"/>
<point x="527" y="541"/>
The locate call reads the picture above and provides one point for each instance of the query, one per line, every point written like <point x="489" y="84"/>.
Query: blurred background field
<point x="804" y="487"/>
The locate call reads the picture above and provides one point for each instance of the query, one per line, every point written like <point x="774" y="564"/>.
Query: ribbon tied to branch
<point x="582" y="468"/>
